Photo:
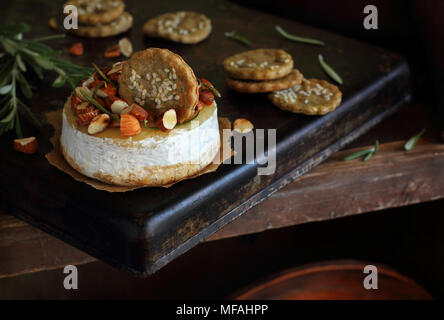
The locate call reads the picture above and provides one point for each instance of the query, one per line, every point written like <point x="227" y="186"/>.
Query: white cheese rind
<point x="137" y="160"/>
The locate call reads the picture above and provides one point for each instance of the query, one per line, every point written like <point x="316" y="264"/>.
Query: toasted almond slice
<point x="85" y="118"/>
<point x="126" y="47"/>
<point x="82" y="107"/>
<point x="79" y="94"/>
<point x="99" y="123"/>
<point x="87" y="82"/>
<point x="118" y="105"/>
<point x="140" y="113"/>
<point x="26" y="145"/>
<point x="101" y="93"/>
<point x="242" y="125"/>
<point x="168" y="120"/>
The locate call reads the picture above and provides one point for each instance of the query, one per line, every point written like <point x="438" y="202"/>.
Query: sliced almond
<point x="126" y="47"/>
<point x="26" y="145"/>
<point x="117" y="67"/>
<point x="168" y="120"/>
<point x="118" y="105"/>
<point x="101" y="93"/>
<point x="79" y="94"/>
<point x="242" y="125"/>
<point x="99" y="123"/>
<point x="87" y="82"/>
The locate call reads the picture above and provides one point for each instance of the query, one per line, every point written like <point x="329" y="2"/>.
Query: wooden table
<point x="392" y="178"/>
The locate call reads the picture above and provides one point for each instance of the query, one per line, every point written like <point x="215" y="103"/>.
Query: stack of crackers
<point x="186" y="27"/>
<point x="101" y="18"/>
<point x="272" y="70"/>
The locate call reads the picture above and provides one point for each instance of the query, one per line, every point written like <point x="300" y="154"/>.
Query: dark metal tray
<point x="142" y="230"/>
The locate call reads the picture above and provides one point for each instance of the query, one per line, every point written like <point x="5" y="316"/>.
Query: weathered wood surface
<point x="334" y="189"/>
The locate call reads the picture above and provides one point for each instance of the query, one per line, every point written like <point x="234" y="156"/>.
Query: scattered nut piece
<point x="242" y="125"/>
<point x="85" y="118"/>
<point x="99" y="123"/>
<point x="112" y="52"/>
<point x="168" y="120"/>
<point x="26" y="145"/>
<point x="118" y="106"/>
<point x="76" y="49"/>
<point x="129" y="125"/>
<point x="126" y="47"/>
<point x="52" y="23"/>
<point x="140" y="113"/>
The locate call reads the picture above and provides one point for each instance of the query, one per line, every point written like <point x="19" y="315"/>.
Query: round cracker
<point x="158" y="80"/>
<point x="259" y="64"/>
<point x="121" y="25"/>
<point x="245" y="86"/>
<point x="184" y="26"/>
<point x="311" y="97"/>
<point x="94" y="12"/>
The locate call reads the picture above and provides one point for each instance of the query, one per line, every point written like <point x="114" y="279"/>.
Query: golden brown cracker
<point x="311" y="97"/>
<point x="259" y="64"/>
<point x="122" y="24"/>
<point x="184" y="26"/>
<point x="158" y="80"/>
<point x="251" y="86"/>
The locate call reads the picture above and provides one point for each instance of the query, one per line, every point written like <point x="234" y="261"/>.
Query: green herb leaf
<point x="44" y="63"/>
<point x="411" y="143"/>
<point x="329" y="70"/>
<point x="369" y="155"/>
<point x="358" y="154"/>
<point x="299" y="39"/>
<point x="101" y="73"/>
<point x="59" y="81"/>
<point x="6" y="89"/>
<point x="12" y="30"/>
<point x="18" y="56"/>
<point x="235" y="36"/>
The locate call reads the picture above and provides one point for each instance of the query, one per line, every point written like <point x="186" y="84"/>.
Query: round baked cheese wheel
<point x="151" y="158"/>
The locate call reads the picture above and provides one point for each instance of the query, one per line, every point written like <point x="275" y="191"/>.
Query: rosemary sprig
<point x="98" y="105"/>
<point x="101" y="73"/>
<point x="299" y="39"/>
<point x="411" y="143"/>
<point x="236" y="36"/>
<point x="19" y="59"/>
<point x="329" y="70"/>
<point x="368" y="153"/>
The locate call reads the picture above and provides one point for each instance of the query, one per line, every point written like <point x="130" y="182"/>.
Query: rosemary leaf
<point x="411" y="143"/>
<point x="368" y="156"/>
<point x="368" y="153"/>
<point x="235" y="36"/>
<point x="359" y="154"/>
<point x="299" y="39"/>
<point x="329" y="70"/>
